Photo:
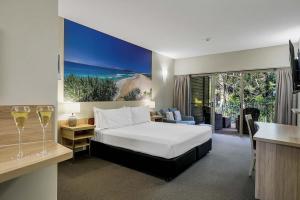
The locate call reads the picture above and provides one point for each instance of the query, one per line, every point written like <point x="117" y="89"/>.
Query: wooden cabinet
<point x="277" y="162"/>
<point x="77" y="138"/>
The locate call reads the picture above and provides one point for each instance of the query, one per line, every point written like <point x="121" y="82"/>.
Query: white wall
<point x="40" y="185"/>
<point x="162" y="89"/>
<point x="28" y="64"/>
<point x="269" y="57"/>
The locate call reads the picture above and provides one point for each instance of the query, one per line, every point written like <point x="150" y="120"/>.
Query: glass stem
<point x="44" y="149"/>
<point x="20" y="146"/>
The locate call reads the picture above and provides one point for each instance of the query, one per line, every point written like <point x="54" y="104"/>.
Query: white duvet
<point x="159" y="139"/>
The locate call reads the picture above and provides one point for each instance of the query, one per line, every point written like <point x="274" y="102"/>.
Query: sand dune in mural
<point x="128" y="85"/>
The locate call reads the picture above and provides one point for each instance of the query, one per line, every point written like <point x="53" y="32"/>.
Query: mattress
<point x="159" y="139"/>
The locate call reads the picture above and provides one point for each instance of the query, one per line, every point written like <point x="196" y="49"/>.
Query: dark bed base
<point x="156" y="166"/>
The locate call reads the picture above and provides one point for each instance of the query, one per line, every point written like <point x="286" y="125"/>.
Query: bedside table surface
<point x="78" y="127"/>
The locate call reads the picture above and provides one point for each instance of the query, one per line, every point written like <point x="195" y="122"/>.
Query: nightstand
<point x="77" y="138"/>
<point x="156" y="118"/>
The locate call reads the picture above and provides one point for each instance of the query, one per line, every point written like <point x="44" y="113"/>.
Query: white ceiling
<point x="178" y="28"/>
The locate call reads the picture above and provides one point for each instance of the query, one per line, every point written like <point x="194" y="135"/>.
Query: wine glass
<point x="44" y="113"/>
<point x="20" y="115"/>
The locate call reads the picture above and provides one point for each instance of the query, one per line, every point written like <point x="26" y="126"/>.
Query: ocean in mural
<point x="99" y="67"/>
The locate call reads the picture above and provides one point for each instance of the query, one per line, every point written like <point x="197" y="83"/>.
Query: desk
<point x="277" y="162"/>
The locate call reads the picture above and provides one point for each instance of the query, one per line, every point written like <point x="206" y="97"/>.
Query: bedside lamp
<point x="72" y="108"/>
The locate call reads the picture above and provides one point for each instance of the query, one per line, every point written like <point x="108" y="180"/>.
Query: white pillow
<point x="169" y="116"/>
<point x="177" y="115"/>
<point x="140" y="114"/>
<point x="113" y="118"/>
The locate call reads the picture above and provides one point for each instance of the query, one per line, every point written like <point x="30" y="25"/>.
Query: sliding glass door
<point x="259" y="93"/>
<point x="227" y="98"/>
<point x="202" y="98"/>
<point x="222" y="99"/>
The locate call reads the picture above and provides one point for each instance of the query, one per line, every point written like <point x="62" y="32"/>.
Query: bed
<point x="160" y="149"/>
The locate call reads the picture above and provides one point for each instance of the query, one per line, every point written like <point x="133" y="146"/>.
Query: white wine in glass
<point x="44" y="113"/>
<point x="20" y="115"/>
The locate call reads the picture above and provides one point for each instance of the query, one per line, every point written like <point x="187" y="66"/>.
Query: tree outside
<point x="228" y="94"/>
<point x="259" y="92"/>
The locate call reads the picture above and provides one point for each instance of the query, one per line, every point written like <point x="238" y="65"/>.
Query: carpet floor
<point x="220" y="175"/>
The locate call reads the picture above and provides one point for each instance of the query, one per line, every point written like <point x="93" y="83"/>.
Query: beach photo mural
<point x="99" y="67"/>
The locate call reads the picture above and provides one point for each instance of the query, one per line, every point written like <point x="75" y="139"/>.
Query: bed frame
<point x="156" y="166"/>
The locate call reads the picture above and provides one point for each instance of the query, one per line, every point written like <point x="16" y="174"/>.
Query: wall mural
<point x="99" y="67"/>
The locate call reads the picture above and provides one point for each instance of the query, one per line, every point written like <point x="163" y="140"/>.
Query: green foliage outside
<point x="259" y="92"/>
<point x="84" y="89"/>
<point x="228" y="94"/>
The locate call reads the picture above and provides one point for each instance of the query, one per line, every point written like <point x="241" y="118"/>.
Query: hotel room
<point x="132" y="99"/>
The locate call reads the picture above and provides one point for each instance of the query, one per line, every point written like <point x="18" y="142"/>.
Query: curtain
<point x="285" y="99"/>
<point x="182" y="94"/>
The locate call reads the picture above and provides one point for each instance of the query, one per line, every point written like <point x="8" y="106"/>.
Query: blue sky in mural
<point x="92" y="53"/>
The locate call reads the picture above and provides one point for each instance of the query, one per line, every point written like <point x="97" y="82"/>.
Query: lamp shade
<point x="71" y="108"/>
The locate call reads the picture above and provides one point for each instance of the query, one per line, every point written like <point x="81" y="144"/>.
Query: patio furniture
<point x="218" y="118"/>
<point x="226" y="122"/>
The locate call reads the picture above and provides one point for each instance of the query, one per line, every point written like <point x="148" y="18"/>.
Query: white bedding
<point x="159" y="139"/>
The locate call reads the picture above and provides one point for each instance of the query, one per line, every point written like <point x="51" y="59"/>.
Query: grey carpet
<point x="229" y="131"/>
<point x="221" y="175"/>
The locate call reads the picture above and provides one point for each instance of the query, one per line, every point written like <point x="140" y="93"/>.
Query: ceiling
<point x="179" y="28"/>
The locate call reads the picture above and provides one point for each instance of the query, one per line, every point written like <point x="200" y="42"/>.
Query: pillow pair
<point x="112" y="118"/>
<point x="175" y="115"/>
<point x="116" y="118"/>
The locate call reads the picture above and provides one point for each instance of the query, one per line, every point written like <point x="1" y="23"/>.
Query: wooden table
<point x="32" y="160"/>
<point x="32" y="145"/>
<point x="277" y="162"/>
<point x="78" y="137"/>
